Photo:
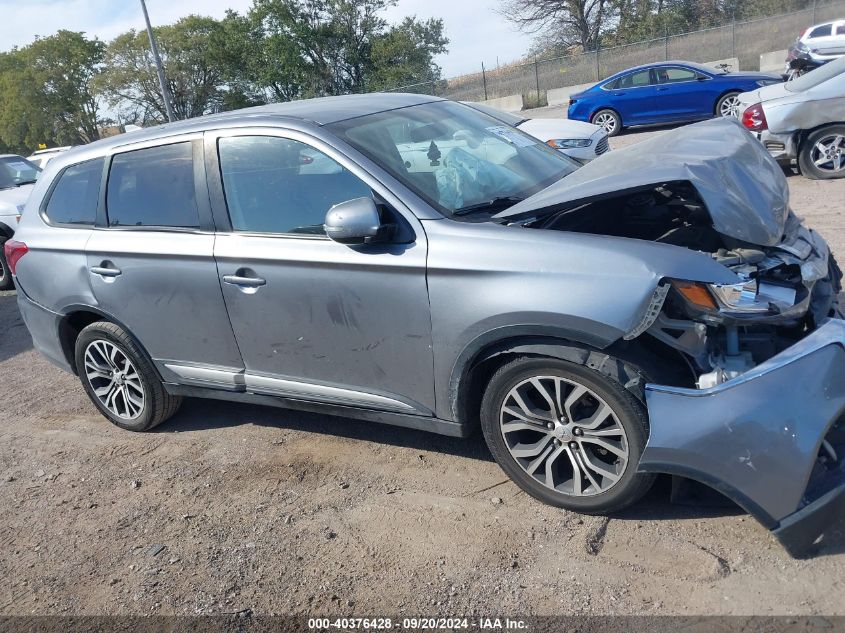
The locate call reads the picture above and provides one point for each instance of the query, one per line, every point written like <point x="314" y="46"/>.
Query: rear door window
<point x="153" y="187"/>
<point x="821" y="31"/>
<point x="674" y="75"/>
<point x="636" y="80"/>
<point x="75" y="195"/>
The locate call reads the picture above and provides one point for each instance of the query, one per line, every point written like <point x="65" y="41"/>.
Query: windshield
<point x="16" y="170"/>
<point x="458" y="159"/>
<point x="821" y="74"/>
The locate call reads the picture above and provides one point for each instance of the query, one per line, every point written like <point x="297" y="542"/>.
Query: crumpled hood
<point x="743" y="188"/>
<point x="12" y="198"/>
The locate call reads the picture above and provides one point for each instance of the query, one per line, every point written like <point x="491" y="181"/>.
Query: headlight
<point x="569" y="143"/>
<point x="762" y="83"/>
<point x="743" y="299"/>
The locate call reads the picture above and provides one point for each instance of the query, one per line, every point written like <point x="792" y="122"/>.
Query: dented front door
<point x="314" y="319"/>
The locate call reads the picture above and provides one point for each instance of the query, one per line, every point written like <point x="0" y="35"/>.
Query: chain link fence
<point x="743" y="40"/>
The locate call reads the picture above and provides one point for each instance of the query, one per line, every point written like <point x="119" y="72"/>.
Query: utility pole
<point x="165" y="93"/>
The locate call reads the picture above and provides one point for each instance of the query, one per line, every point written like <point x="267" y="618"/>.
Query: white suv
<point x="823" y="42"/>
<point x="17" y="176"/>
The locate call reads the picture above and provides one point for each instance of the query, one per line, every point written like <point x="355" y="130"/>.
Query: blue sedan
<point x="668" y="92"/>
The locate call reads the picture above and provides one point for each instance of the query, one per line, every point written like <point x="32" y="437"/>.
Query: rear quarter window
<point x="153" y="187"/>
<point x="74" y="197"/>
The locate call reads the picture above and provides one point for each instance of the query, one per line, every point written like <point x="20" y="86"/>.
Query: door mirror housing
<point x="354" y="222"/>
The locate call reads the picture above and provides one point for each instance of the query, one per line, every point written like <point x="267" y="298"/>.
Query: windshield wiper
<point x="24" y="182"/>
<point x="499" y="203"/>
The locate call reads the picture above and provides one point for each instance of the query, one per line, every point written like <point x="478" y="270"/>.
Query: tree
<point x="47" y="94"/>
<point x="194" y="75"/>
<point x="404" y="55"/>
<point x="66" y="65"/>
<point x="326" y="47"/>
<point x="562" y="23"/>
<point x="257" y="65"/>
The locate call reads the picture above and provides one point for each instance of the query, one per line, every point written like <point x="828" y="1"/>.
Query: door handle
<point x="104" y="271"/>
<point x="662" y="89"/>
<point x="247" y="282"/>
<point x="618" y="94"/>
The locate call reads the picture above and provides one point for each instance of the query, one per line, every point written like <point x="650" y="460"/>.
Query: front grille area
<point x="602" y="146"/>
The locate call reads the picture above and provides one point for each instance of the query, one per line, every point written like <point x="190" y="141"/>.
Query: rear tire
<point x="598" y="427"/>
<point x="120" y="379"/>
<point x="608" y="120"/>
<point x="6" y="282"/>
<point x="822" y="154"/>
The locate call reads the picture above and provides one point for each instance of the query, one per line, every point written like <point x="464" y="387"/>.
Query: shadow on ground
<point x="199" y="415"/>
<point x="14" y="337"/>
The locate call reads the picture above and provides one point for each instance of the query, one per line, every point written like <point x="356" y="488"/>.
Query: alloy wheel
<point x="114" y="379"/>
<point x="729" y="106"/>
<point x="828" y="154"/>
<point x="564" y="435"/>
<point x="607" y="121"/>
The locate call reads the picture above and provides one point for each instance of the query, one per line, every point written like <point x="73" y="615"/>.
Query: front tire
<point x="822" y="154"/>
<point x="566" y="434"/>
<point x="6" y="282"/>
<point x="120" y="380"/>
<point x="608" y="120"/>
<point x="728" y="105"/>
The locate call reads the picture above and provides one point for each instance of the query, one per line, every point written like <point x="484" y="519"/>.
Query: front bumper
<point x="758" y="438"/>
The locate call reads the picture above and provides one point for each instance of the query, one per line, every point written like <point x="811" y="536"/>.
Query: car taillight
<point x="14" y="250"/>
<point x="754" y="118"/>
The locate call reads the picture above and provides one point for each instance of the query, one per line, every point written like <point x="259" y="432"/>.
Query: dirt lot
<point x="231" y="507"/>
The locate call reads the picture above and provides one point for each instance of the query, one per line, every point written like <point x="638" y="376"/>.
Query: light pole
<point x="165" y="93"/>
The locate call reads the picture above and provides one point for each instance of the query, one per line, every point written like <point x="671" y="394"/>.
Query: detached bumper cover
<point x="757" y="438"/>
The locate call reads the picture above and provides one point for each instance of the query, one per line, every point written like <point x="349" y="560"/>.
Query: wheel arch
<point x="615" y="111"/>
<point x="77" y="317"/>
<point x="803" y="135"/>
<point x="481" y="358"/>
<point x="722" y="94"/>
<point x="6" y="232"/>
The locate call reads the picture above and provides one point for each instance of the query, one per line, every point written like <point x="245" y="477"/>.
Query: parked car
<point x="656" y="311"/>
<point x="668" y="92"/>
<point x="43" y="156"/>
<point x="578" y="140"/>
<point x="820" y="43"/>
<point x="17" y="175"/>
<point x="802" y="121"/>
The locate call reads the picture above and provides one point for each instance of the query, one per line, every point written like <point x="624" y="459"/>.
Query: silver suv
<point x="408" y="260"/>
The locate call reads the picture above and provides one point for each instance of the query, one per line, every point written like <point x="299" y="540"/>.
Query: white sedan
<point x="577" y="139"/>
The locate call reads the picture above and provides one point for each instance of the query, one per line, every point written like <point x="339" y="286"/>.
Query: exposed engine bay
<point x="785" y="290"/>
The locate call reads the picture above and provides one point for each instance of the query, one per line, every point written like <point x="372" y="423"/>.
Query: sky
<point x="476" y="32"/>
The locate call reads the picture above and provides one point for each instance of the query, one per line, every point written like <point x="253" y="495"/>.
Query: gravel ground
<point x="230" y="507"/>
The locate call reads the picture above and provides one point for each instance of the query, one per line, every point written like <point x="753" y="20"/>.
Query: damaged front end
<point x="759" y="415"/>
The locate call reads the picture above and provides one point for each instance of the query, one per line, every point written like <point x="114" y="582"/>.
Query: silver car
<point x="802" y="121"/>
<point x="17" y="175"/>
<point x="412" y="261"/>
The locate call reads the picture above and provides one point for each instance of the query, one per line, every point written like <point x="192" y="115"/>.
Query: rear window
<point x="153" y="187"/>
<point x="75" y="195"/>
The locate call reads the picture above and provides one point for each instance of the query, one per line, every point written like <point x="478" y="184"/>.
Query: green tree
<point x="47" y="94"/>
<point x="194" y="73"/>
<point x="326" y="47"/>
<point x="404" y="55"/>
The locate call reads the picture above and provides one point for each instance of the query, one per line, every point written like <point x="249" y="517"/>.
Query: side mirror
<point x="354" y="222"/>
